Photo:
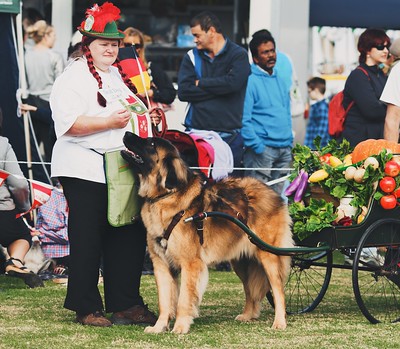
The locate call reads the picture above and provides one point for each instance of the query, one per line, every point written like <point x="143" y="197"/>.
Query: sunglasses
<point x="382" y="47"/>
<point x="128" y="44"/>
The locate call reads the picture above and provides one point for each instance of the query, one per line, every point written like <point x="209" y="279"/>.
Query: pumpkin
<point x="373" y="147"/>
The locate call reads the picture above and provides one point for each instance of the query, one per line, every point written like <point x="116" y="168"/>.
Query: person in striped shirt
<point x="318" y="117"/>
<point x="52" y="225"/>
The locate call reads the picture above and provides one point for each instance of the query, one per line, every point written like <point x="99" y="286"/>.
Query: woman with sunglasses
<point x="364" y="86"/>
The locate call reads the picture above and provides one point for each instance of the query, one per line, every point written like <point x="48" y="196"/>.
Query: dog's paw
<point x="243" y="318"/>
<point x="156" y="329"/>
<point x="182" y="326"/>
<point x="279" y="325"/>
<point x="181" y="329"/>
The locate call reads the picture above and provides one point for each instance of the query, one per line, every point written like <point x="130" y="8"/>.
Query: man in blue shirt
<point x="212" y="78"/>
<point x="287" y="72"/>
<point x="267" y="122"/>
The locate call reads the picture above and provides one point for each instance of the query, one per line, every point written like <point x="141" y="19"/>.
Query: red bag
<point x="192" y="151"/>
<point x="336" y="112"/>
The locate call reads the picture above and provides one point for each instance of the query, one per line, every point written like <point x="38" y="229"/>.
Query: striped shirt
<point x="317" y="124"/>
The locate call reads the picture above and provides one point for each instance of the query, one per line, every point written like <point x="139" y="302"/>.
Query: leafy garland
<point x="313" y="218"/>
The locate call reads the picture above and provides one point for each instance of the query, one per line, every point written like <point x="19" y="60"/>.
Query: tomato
<point x="397" y="193"/>
<point x="388" y="202"/>
<point x="325" y="158"/>
<point x="387" y="184"/>
<point x="392" y="168"/>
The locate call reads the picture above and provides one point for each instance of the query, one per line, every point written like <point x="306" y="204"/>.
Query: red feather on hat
<point x="103" y="15"/>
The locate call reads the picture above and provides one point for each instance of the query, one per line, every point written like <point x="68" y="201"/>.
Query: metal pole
<point x="24" y="93"/>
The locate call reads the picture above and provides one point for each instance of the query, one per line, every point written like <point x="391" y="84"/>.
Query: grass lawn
<point x="35" y="318"/>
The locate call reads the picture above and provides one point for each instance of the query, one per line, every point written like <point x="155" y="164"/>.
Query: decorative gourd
<point x="373" y="147"/>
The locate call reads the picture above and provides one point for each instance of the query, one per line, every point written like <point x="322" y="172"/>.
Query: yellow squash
<point x="347" y="161"/>
<point x="318" y="176"/>
<point x="334" y="161"/>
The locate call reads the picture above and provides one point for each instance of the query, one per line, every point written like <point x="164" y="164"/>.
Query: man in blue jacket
<point x="212" y="78"/>
<point x="267" y="122"/>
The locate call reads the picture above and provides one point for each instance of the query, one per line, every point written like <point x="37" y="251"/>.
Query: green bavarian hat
<point x="100" y="22"/>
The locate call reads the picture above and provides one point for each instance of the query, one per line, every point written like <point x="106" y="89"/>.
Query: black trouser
<point x="93" y="239"/>
<point x="43" y="125"/>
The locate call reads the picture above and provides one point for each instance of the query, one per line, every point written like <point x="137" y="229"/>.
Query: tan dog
<point x="172" y="192"/>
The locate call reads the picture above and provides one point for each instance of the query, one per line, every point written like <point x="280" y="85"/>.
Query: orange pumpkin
<point x="373" y="147"/>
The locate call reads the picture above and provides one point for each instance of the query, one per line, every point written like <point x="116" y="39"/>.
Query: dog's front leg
<point x="194" y="279"/>
<point x="167" y="288"/>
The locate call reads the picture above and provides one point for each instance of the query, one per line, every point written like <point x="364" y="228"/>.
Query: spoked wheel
<point x="376" y="272"/>
<point x="307" y="283"/>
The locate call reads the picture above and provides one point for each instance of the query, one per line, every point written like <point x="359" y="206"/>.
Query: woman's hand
<point x="87" y="125"/>
<point x="154" y="116"/>
<point x="27" y="107"/>
<point x="119" y="119"/>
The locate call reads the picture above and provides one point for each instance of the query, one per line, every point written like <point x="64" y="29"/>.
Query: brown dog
<point x="172" y="192"/>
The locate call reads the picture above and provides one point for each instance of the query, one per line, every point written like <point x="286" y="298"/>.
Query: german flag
<point x="129" y="63"/>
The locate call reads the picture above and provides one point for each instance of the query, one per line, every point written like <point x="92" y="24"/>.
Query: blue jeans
<point x="269" y="158"/>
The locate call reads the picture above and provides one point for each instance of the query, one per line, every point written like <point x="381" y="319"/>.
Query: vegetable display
<point x="371" y="172"/>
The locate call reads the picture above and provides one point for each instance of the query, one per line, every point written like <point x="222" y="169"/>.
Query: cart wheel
<point x="376" y="272"/>
<point x="307" y="283"/>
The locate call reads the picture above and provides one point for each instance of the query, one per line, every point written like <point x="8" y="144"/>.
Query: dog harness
<point x="175" y="221"/>
<point x="200" y="224"/>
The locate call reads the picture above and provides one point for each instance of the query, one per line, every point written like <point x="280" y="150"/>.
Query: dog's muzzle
<point x="135" y="156"/>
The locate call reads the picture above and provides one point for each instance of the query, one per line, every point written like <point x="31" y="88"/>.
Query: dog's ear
<point x="176" y="172"/>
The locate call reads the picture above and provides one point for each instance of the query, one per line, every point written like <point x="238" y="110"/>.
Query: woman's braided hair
<point x="86" y="52"/>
